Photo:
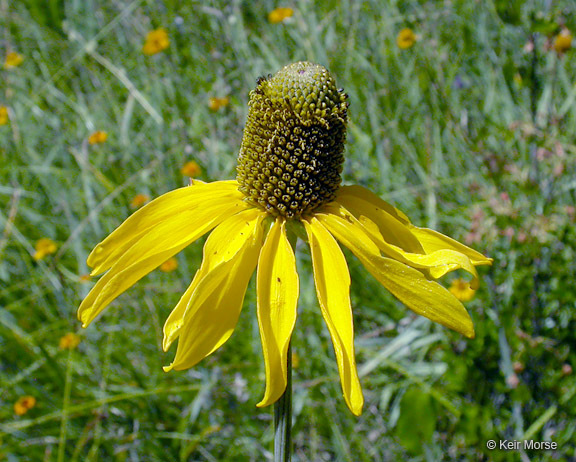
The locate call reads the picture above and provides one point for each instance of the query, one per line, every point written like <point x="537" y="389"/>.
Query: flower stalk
<point x="283" y="418"/>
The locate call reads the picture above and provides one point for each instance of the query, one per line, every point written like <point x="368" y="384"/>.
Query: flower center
<point x="291" y="155"/>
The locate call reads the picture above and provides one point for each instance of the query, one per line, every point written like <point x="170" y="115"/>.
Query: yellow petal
<point x="165" y="208"/>
<point x="392" y="224"/>
<point x="424" y="297"/>
<point x="152" y="249"/>
<point x="433" y="240"/>
<point x="277" y="287"/>
<point x="214" y="307"/>
<point x="333" y="290"/>
<point x="225" y="243"/>
<point x="437" y="263"/>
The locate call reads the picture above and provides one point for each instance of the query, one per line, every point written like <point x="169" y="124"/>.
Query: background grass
<point x="470" y="131"/>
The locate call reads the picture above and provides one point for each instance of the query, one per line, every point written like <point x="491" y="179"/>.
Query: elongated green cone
<point x="291" y="156"/>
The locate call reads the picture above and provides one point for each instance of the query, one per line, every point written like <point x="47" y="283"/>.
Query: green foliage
<point x="470" y="131"/>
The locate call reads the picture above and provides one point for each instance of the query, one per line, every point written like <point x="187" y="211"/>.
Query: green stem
<point x="283" y="418"/>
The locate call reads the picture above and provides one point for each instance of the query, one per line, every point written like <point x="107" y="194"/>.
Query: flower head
<point x="406" y="38"/>
<point x="169" y="265"/>
<point x="191" y="169"/>
<point x="289" y="169"/>
<point x="216" y="104"/>
<point x="13" y="59"/>
<point x="461" y="290"/>
<point x="24" y="404"/>
<point x="69" y="341"/>
<point x="562" y="42"/>
<point x="156" y="41"/>
<point x="3" y="115"/>
<point x="44" y="247"/>
<point x="98" y="137"/>
<point x="280" y="15"/>
<point x="139" y="200"/>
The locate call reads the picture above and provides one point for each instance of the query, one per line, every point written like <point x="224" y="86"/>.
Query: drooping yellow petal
<point x="424" y="297"/>
<point x="151" y="250"/>
<point x="433" y="240"/>
<point x="225" y="243"/>
<point x="392" y="224"/>
<point x="333" y="290"/>
<point x="201" y="196"/>
<point x="209" y="317"/>
<point x="436" y="263"/>
<point x="277" y="287"/>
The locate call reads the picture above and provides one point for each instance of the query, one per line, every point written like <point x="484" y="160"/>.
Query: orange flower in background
<point x="280" y="15"/>
<point x="139" y="200"/>
<point x="69" y="341"/>
<point x="3" y="115"/>
<point x="156" y="41"/>
<point x="98" y="137"/>
<point x="562" y="42"/>
<point x="461" y="290"/>
<point x="217" y="103"/>
<point x="191" y="169"/>
<point x="406" y="38"/>
<point x="24" y="404"/>
<point x="169" y="265"/>
<point x="44" y="247"/>
<point x="13" y="59"/>
<point x="85" y="278"/>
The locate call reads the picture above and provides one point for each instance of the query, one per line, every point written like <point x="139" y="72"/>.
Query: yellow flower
<point x="406" y="38"/>
<point x="289" y="167"/>
<point x="563" y="41"/>
<point x="156" y="41"/>
<point x="217" y="103"/>
<point x="280" y="15"/>
<point x="461" y="290"/>
<point x="169" y="265"/>
<point x="191" y="169"/>
<point x="69" y="341"/>
<point x="24" y="404"/>
<point x="139" y="200"/>
<point x="98" y="137"/>
<point x="44" y="247"/>
<point x="3" y="115"/>
<point x="13" y="59"/>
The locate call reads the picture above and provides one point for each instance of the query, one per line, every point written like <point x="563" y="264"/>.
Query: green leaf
<point x="417" y="420"/>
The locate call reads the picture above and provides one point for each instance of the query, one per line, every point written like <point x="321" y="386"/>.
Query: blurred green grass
<point x="470" y="131"/>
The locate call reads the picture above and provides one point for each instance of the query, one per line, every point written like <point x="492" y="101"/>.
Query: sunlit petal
<point x="278" y="288"/>
<point x="436" y="263"/>
<point x="151" y="250"/>
<point x="333" y="290"/>
<point x="164" y="209"/>
<point x="225" y="243"/>
<point x="216" y="301"/>
<point x="424" y="297"/>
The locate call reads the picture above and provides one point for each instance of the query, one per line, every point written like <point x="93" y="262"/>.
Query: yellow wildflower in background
<point x="13" y="59"/>
<point x="98" y="137"/>
<point x="280" y="15"/>
<point x="406" y="38"/>
<point x="191" y="169"/>
<point x="24" y="404"/>
<point x="139" y="200"/>
<point x="156" y="41"/>
<point x="3" y="115"/>
<point x="563" y="41"/>
<point x="169" y="265"/>
<point x="461" y="290"/>
<point x="218" y="103"/>
<point x="44" y="247"/>
<point x="85" y="278"/>
<point x="289" y="177"/>
<point x="69" y="341"/>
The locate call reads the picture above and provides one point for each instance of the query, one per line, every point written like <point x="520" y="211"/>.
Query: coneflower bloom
<point x="289" y="170"/>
